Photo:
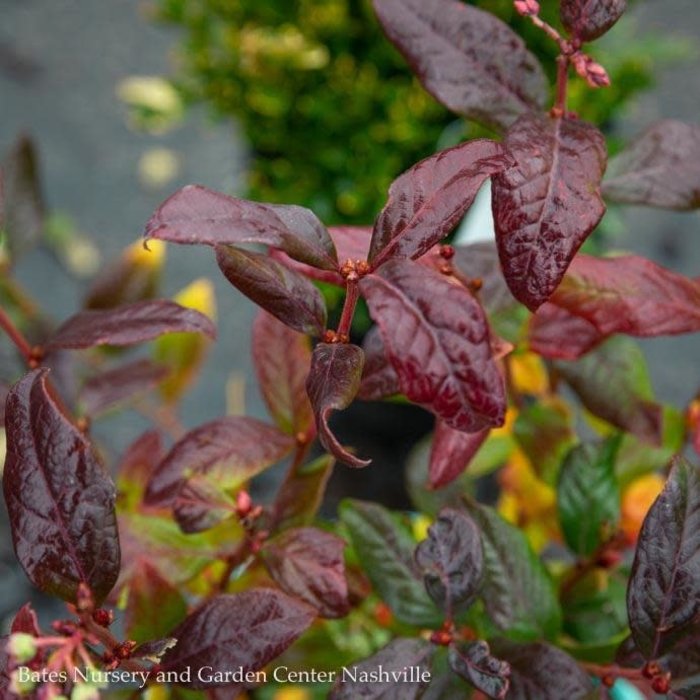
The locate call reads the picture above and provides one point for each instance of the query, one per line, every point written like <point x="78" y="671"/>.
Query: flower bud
<point x="18" y="685"/>
<point x="527" y="8"/>
<point x="22" y="647"/>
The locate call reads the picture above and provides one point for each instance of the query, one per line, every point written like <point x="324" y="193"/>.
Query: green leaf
<point x="588" y="495"/>
<point x="385" y="550"/>
<point x="517" y="591"/>
<point x="545" y="433"/>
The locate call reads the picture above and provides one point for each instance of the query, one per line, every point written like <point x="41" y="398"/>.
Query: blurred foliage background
<point x="331" y="110"/>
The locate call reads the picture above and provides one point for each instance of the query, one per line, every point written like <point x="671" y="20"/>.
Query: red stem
<point x="352" y="294"/>
<point x="16" y="336"/>
<point x="562" y="81"/>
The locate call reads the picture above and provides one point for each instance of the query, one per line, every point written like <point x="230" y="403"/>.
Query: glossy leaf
<point x="555" y="333"/>
<point x="201" y="504"/>
<point x="197" y="215"/>
<point x="230" y="450"/>
<point x="589" y="19"/>
<point x="428" y="200"/>
<point x="542" y="672"/>
<point x="308" y="563"/>
<point x="473" y="661"/>
<point x="211" y="635"/>
<point x="286" y="294"/>
<point x="440" y="352"/>
<point x="613" y="383"/>
<point x="281" y="358"/>
<point x="332" y="384"/>
<point x="450" y="453"/>
<point x="379" y="379"/>
<point x="399" y="657"/>
<point x="22" y="208"/>
<point x="660" y="168"/>
<point x="466" y="58"/>
<point x="452" y="560"/>
<point x="385" y="550"/>
<point x="129" y="324"/>
<point x="108" y="389"/>
<point x="517" y="591"/>
<point x="59" y="499"/>
<point x="154" y="606"/>
<point x="663" y="597"/>
<point x="300" y="495"/>
<point x="588" y="496"/>
<point x="545" y="206"/>
<point x="631" y="295"/>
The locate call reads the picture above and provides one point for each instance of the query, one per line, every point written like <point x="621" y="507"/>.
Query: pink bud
<point x="593" y="73"/>
<point x="243" y="504"/>
<point x="527" y="8"/>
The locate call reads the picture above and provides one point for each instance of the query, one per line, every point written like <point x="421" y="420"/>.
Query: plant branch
<point x="352" y="296"/>
<point x="562" y="82"/>
<point x="16" y="337"/>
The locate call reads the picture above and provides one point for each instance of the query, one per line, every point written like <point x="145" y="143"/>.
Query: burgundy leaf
<point x="542" y="672"/>
<point x="630" y="295"/>
<point x="428" y="200"/>
<point x="129" y="324"/>
<point x="473" y="661"/>
<point x="244" y="631"/>
<point x="379" y="379"/>
<point x="59" y="499"/>
<point x="661" y="168"/>
<point x="545" y="206"/>
<point x="438" y="341"/>
<point x="406" y="663"/>
<point x="663" y="594"/>
<point x="613" y="383"/>
<point x="332" y="384"/>
<point x="451" y="452"/>
<point x="107" y="389"/>
<point x="589" y="19"/>
<point x="466" y="58"/>
<point x="284" y="293"/>
<point x="555" y="333"/>
<point x="281" y="358"/>
<point x="300" y="495"/>
<point x="4" y="390"/>
<point x="309" y="564"/>
<point x="230" y="450"/>
<point x="139" y="460"/>
<point x="201" y="504"/>
<point x="197" y="215"/>
<point x="452" y="560"/>
<point x="26" y="621"/>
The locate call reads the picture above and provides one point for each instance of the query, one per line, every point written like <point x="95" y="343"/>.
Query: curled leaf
<point x="473" y="661"/>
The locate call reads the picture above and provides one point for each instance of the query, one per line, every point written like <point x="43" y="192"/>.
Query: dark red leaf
<point x="428" y="200"/>
<point x="284" y="293"/>
<point x="4" y="390"/>
<point x="230" y="450"/>
<point x="546" y="205"/>
<point x="630" y="295"/>
<point x="379" y="379"/>
<point x="26" y="621"/>
<point x="451" y="452"/>
<point x="244" y="631"/>
<point x="281" y="358"/>
<point x="22" y="208"/>
<point x="466" y="58"/>
<point x="542" y="672"/>
<point x="201" y="504"/>
<point x="197" y="215"/>
<point x="129" y="324"/>
<point x="309" y="564"/>
<point x="663" y="594"/>
<point x="301" y="493"/>
<point x="473" y="661"/>
<point x="406" y="663"/>
<point x="613" y="383"/>
<point x="438" y="341"/>
<point x="589" y="19"/>
<point x="139" y="460"/>
<point x="557" y="334"/>
<point x="107" y="389"/>
<point x="59" y="499"/>
<point x="452" y="560"/>
<point x="332" y="384"/>
<point x="661" y="168"/>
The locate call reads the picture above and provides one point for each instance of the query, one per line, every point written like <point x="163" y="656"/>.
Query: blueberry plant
<point x="177" y="580"/>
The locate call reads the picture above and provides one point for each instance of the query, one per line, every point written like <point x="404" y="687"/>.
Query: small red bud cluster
<point x="593" y="73"/>
<point x="354" y="270"/>
<point x="248" y="513"/>
<point x="527" y="8"/>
